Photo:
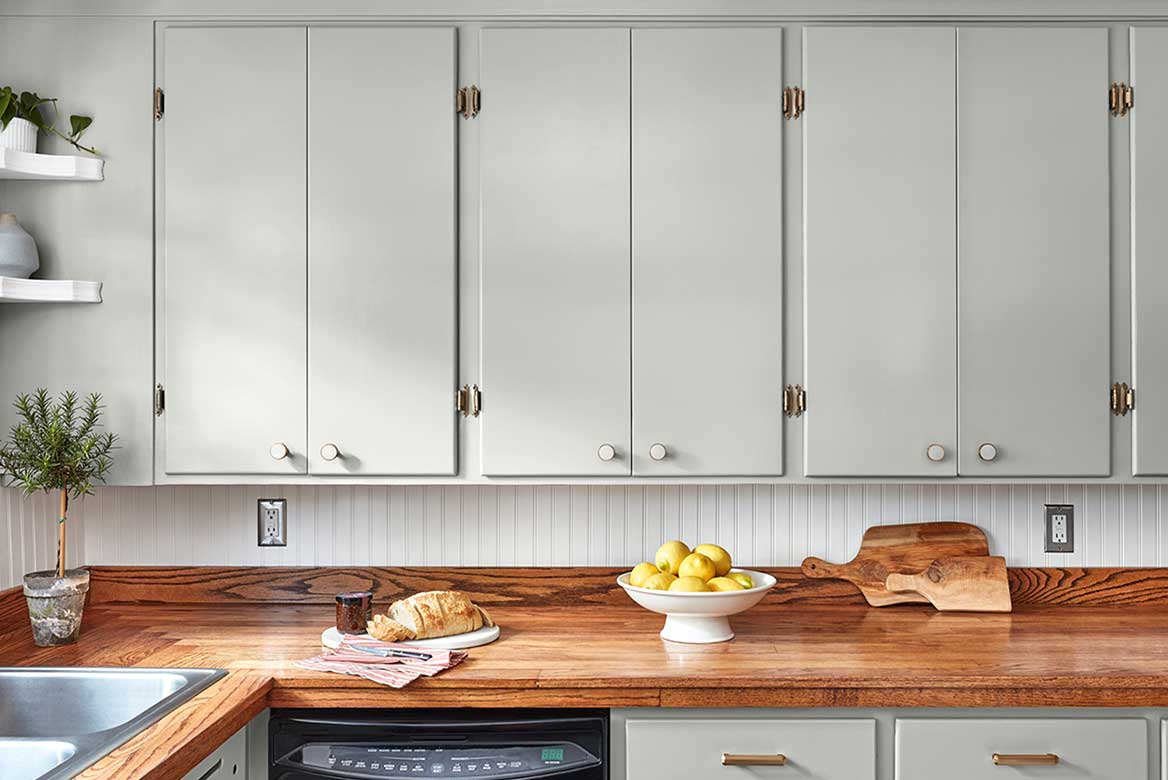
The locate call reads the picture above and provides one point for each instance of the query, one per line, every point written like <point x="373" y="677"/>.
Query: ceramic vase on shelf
<point x="18" y="252"/>
<point x="20" y="135"/>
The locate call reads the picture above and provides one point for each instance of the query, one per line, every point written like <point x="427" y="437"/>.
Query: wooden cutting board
<point x="965" y="584"/>
<point x="904" y="549"/>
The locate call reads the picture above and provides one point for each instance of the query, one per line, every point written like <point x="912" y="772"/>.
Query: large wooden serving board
<point x="905" y="549"/>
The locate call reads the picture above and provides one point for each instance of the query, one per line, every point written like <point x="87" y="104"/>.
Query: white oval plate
<point x="331" y="638"/>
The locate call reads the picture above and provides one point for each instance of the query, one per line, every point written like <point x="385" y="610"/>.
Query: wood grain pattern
<point x="557" y="586"/>
<point x="899" y="548"/>
<point x="972" y="584"/>
<point x="908" y="655"/>
<point x="787" y="652"/>
<point x="13" y="608"/>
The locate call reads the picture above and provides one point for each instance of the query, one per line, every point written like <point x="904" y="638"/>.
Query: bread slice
<point x="381" y="627"/>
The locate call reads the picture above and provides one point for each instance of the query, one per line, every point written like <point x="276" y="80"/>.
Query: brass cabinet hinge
<point x="469" y="400"/>
<point x="793" y="102"/>
<point x="794" y="400"/>
<point x="1123" y="399"/>
<point x="159" y="400"/>
<point x="1120" y="98"/>
<point x="159" y="103"/>
<point x="468" y="101"/>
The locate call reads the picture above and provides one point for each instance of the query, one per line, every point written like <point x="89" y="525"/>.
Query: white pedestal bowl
<point x="699" y="618"/>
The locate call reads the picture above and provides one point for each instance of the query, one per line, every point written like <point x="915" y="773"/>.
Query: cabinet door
<point x="1086" y="749"/>
<point x="233" y="249"/>
<point x="1149" y="167"/>
<point x="382" y="251"/>
<point x="707" y="251"/>
<point x="1033" y="251"/>
<point x="555" y="250"/>
<point x="691" y="749"/>
<point x="880" y="265"/>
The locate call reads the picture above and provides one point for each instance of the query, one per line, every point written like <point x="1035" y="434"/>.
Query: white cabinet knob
<point x="606" y="452"/>
<point x="935" y="452"/>
<point x="987" y="452"/>
<point x="279" y="451"/>
<point x="657" y="451"/>
<point x="330" y="451"/>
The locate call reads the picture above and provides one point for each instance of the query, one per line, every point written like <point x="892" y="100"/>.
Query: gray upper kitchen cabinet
<point x="554" y="189"/>
<point x="879" y="232"/>
<point x="1033" y="252"/>
<point x="232" y="249"/>
<point x="707" y="128"/>
<point x="1149" y="155"/>
<point x="381" y="251"/>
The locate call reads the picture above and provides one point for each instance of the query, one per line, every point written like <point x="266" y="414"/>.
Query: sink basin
<point x="33" y="757"/>
<point x="56" y="722"/>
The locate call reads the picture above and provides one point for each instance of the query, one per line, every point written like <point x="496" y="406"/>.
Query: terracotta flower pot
<point x="55" y="605"/>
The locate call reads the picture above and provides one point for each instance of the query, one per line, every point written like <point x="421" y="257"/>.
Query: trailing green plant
<point x="57" y="444"/>
<point x="31" y="106"/>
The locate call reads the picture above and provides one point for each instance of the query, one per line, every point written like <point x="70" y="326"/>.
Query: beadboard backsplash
<point x="764" y="525"/>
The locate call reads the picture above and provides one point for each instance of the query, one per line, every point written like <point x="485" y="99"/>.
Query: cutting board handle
<point x="820" y="569"/>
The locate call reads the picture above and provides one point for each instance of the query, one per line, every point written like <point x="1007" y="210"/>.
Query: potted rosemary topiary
<point x="56" y="445"/>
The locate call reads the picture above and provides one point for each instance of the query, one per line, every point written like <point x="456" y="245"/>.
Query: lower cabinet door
<point x="1111" y="749"/>
<point x="749" y="749"/>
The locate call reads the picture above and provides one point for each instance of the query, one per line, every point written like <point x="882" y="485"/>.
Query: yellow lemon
<point x="659" y="581"/>
<point x="670" y="555"/>
<point x="724" y="583"/>
<point x="642" y="572"/>
<point x="697" y="565"/>
<point x="718" y="555"/>
<point x="742" y="578"/>
<point x="688" y="585"/>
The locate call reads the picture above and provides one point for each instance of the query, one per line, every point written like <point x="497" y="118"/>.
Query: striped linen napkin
<point x="393" y="671"/>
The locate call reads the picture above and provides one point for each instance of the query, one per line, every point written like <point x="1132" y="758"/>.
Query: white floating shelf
<point x="48" y="291"/>
<point x="49" y="167"/>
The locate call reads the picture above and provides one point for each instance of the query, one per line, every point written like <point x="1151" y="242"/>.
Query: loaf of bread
<point x="428" y="615"/>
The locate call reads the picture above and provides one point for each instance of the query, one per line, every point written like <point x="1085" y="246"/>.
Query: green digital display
<point x="552" y="754"/>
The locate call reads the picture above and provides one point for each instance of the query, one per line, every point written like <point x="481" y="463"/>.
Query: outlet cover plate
<point x="272" y="522"/>
<point x="1060" y="528"/>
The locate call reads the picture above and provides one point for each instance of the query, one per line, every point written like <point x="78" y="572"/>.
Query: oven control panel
<point x="397" y="762"/>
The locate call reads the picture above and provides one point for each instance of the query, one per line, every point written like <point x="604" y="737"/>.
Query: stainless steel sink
<point x="56" y="722"/>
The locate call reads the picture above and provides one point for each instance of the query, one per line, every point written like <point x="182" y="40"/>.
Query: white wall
<point x="28" y="536"/>
<point x="766" y="525"/>
<point x="99" y="231"/>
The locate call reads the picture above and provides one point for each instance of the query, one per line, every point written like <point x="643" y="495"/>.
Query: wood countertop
<point x="606" y="653"/>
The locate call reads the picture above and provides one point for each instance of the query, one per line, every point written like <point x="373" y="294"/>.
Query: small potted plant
<point x="56" y="445"/>
<point x="22" y="116"/>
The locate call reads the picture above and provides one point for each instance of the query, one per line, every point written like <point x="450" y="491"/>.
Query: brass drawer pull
<point x="753" y="759"/>
<point x="1025" y="759"/>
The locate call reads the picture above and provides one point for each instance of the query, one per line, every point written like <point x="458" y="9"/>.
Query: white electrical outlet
<point x="272" y="514"/>
<point x="1060" y="528"/>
